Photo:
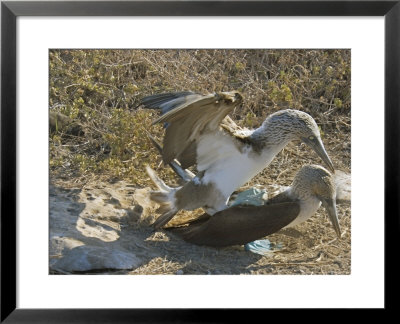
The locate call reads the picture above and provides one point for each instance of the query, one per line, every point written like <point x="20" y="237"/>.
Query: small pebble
<point x="179" y="272"/>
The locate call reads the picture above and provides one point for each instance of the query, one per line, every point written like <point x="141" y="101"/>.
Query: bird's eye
<point x="311" y="138"/>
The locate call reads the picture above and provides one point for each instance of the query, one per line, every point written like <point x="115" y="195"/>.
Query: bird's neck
<point x="270" y="135"/>
<point x="309" y="204"/>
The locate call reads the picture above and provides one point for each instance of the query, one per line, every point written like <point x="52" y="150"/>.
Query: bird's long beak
<point x="330" y="206"/>
<point x="319" y="148"/>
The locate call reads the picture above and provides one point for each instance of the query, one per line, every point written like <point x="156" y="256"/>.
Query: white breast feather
<point x="213" y="149"/>
<point x="226" y="166"/>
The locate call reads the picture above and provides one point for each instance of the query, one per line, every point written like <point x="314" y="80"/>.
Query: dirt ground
<point x="309" y="248"/>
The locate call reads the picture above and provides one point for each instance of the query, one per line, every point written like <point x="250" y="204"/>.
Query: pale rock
<point x="91" y="228"/>
<point x="85" y="258"/>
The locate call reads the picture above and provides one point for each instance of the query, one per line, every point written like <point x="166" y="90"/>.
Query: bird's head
<point x="316" y="181"/>
<point x="292" y="124"/>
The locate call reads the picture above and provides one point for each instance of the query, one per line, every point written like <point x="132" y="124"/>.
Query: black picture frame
<point x="10" y="10"/>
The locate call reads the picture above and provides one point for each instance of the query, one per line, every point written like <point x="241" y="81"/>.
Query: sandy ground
<point x="309" y="248"/>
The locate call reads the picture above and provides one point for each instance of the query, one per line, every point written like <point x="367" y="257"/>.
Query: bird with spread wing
<point x="248" y="220"/>
<point x="199" y="132"/>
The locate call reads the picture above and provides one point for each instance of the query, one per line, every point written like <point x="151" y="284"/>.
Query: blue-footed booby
<point x="242" y="224"/>
<point x="199" y="132"/>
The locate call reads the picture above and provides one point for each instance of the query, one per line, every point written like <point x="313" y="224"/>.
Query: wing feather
<point x="239" y="224"/>
<point x="166" y="100"/>
<point x="188" y="116"/>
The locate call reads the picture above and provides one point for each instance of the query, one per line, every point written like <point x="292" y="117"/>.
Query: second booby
<point x="312" y="186"/>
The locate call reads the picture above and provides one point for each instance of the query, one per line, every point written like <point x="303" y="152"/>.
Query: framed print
<point x="307" y="93"/>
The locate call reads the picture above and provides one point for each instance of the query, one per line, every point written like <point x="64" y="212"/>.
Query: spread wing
<point x="184" y="174"/>
<point x="238" y="225"/>
<point x="233" y="129"/>
<point x="187" y="117"/>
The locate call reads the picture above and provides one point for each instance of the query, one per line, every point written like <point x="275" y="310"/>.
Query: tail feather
<point x="159" y="197"/>
<point x="164" y="218"/>
<point x="163" y="209"/>
<point x="157" y="181"/>
<point x="165" y="198"/>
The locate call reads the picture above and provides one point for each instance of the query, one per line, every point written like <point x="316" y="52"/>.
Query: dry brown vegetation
<point x="103" y="137"/>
